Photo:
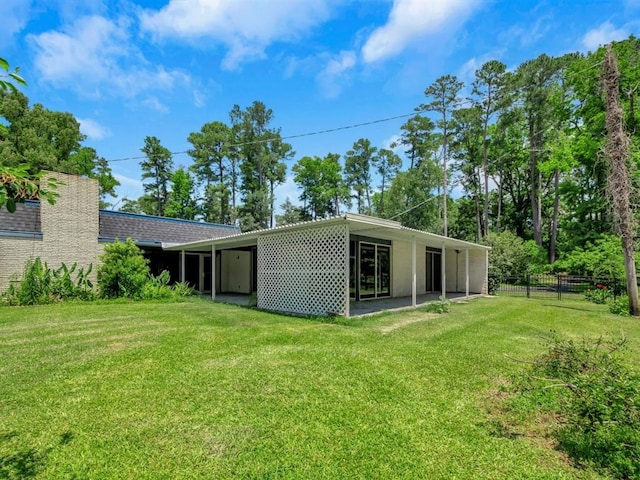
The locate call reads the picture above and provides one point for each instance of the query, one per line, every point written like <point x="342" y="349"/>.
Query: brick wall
<point x="69" y="231"/>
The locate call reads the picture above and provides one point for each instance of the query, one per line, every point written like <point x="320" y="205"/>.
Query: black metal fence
<point x="555" y="286"/>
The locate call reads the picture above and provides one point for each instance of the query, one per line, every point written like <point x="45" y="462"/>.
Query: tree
<point x="489" y="90"/>
<point x="215" y="171"/>
<point x="357" y="172"/>
<point x="261" y="152"/>
<point x="444" y="95"/>
<point x="417" y="136"/>
<point x="182" y="203"/>
<point x="618" y="185"/>
<point x="323" y="189"/>
<point x="158" y="167"/>
<point x="387" y="165"/>
<point x="290" y="214"/>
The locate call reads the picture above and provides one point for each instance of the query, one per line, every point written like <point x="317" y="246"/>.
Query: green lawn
<point x="203" y="390"/>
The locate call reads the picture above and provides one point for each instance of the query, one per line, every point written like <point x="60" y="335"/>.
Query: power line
<point x="308" y="134"/>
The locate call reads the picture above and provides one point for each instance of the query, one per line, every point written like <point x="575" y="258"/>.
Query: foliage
<point x="157" y="169"/>
<point x="620" y="306"/>
<point x="41" y="284"/>
<point x="18" y="185"/>
<point x="323" y="189"/>
<point x="48" y="140"/>
<point x="601" y="258"/>
<point x="600" y="295"/>
<point x="597" y="398"/>
<point x="357" y="173"/>
<point x="442" y="305"/>
<point x="182" y="203"/>
<point x="510" y="255"/>
<point x="124" y="271"/>
<point x="10" y="78"/>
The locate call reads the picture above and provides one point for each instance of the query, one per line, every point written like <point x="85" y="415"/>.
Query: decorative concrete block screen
<point x="304" y="271"/>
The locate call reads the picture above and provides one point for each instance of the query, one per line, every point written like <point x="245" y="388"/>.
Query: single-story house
<point x="313" y="268"/>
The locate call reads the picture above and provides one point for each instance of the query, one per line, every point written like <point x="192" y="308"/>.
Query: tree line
<point x="518" y="150"/>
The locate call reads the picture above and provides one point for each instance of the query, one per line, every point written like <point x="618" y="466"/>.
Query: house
<point x="323" y="267"/>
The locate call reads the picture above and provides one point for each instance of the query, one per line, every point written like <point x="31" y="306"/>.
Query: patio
<point x="363" y="307"/>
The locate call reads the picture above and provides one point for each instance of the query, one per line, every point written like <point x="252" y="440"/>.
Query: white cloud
<point x="244" y="28"/>
<point x="410" y="21"/>
<point x="154" y="104"/>
<point x="92" y="129"/>
<point x="604" y="34"/>
<point x="95" y="57"/>
<point x="13" y="17"/>
<point x="335" y="73"/>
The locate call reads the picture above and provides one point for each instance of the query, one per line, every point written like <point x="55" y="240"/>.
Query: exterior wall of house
<point x="401" y="273"/>
<point x="304" y="271"/>
<point x="235" y="270"/>
<point x="478" y="272"/>
<point x="69" y="231"/>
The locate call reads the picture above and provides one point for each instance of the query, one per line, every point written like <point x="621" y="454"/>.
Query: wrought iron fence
<point x="554" y="286"/>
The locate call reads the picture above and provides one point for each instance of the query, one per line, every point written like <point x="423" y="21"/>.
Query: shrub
<point x="597" y="399"/>
<point x="158" y="287"/>
<point x="124" y="271"/>
<point x="40" y="284"/>
<point x="620" y="306"/>
<point x="443" y="305"/>
<point x="600" y="295"/>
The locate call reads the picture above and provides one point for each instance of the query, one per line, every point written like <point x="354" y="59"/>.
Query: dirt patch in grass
<point x="408" y="319"/>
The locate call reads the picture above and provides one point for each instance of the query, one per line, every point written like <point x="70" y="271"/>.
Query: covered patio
<point x="348" y="265"/>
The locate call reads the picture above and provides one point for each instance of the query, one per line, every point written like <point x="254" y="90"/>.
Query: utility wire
<point x="308" y="134"/>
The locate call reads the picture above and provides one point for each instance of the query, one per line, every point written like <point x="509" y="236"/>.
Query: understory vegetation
<point x="123" y="273"/>
<point x="203" y="390"/>
<point x="594" y="399"/>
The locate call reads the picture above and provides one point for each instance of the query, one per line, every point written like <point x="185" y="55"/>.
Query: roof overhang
<point x="358" y="224"/>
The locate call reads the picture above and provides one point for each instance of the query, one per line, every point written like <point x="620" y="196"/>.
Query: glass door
<point x="434" y="271"/>
<point x="375" y="271"/>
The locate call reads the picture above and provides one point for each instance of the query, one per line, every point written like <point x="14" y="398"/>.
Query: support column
<point x="213" y="272"/>
<point x="413" y="274"/>
<point x="466" y="271"/>
<point x="347" y="272"/>
<point x="443" y="272"/>
<point x="485" y="289"/>
<point x="182" y="266"/>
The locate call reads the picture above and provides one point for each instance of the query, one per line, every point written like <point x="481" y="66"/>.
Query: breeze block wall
<point x="69" y="231"/>
<point x="304" y="271"/>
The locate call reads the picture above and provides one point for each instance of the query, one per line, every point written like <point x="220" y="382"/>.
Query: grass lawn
<point x="203" y="390"/>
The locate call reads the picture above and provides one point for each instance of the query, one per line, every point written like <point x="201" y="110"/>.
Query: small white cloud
<point x="604" y="34"/>
<point x="410" y="21"/>
<point x="155" y="104"/>
<point x="245" y="29"/>
<point x="336" y="73"/>
<point x="92" y="129"/>
<point x="13" y="17"/>
<point x="95" y="56"/>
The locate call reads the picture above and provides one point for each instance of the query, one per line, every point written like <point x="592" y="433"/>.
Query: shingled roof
<point x="26" y="218"/>
<point x="151" y="230"/>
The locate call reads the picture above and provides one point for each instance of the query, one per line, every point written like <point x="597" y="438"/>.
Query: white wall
<point x="235" y="271"/>
<point x="401" y="270"/>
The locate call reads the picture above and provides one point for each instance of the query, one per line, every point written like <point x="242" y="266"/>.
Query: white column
<point x="347" y="272"/>
<point x="213" y="272"/>
<point x="413" y="274"/>
<point x="443" y="272"/>
<point x="466" y="271"/>
<point x="182" y="266"/>
<point x="486" y="273"/>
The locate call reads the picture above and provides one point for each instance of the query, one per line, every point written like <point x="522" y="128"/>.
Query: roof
<point x="387" y="229"/>
<point x="25" y="219"/>
<point x="152" y="230"/>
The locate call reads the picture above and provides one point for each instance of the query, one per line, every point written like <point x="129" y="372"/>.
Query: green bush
<point x="443" y="305"/>
<point x="620" y="306"/>
<point x="124" y="271"/>
<point x="600" y="295"/>
<point x="597" y="400"/>
<point x="41" y="285"/>
<point x="158" y="287"/>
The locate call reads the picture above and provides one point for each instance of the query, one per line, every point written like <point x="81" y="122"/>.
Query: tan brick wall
<point x="69" y="231"/>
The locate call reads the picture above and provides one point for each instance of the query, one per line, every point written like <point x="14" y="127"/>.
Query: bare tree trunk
<point x="554" y="221"/>
<point x="618" y="182"/>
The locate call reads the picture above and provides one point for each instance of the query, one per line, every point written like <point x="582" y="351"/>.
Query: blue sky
<point x="129" y="69"/>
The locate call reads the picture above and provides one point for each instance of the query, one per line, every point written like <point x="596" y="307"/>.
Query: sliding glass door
<point x="375" y="270"/>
